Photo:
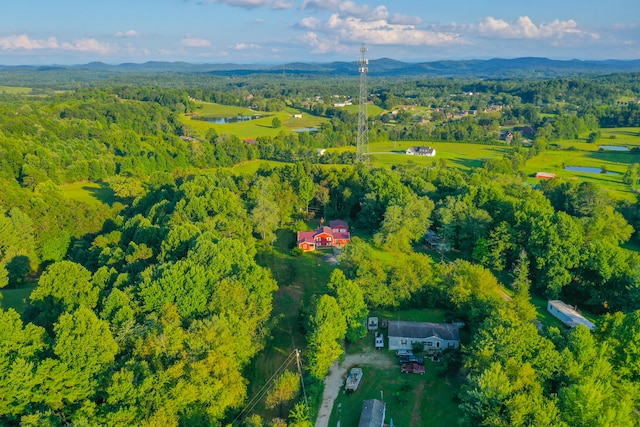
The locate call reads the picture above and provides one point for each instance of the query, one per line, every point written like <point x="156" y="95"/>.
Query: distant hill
<point x="492" y="68"/>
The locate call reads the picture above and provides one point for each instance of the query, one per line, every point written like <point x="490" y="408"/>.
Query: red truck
<point x="412" y="368"/>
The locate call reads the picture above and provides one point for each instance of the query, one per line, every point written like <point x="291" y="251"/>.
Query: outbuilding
<point x="567" y="314"/>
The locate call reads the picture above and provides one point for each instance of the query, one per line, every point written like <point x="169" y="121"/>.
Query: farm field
<point x="250" y="129"/>
<point x="15" y="90"/>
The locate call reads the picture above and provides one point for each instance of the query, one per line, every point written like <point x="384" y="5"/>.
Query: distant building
<point x="373" y="413"/>
<point x="567" y="314"/>
<point x="421" y="151"/>
<point x="545" y="175"/>
<point x="434" y="336"/>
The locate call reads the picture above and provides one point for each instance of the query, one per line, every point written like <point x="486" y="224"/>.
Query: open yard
<point x="412" y="400"/>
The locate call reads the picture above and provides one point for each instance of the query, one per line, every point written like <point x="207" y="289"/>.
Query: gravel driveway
<point x="337" y="374"/>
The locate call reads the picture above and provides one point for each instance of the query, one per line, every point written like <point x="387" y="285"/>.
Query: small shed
<point x="373" y="413"/>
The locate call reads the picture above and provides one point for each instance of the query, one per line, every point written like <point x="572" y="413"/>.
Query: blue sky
<point x="280" y="31"/>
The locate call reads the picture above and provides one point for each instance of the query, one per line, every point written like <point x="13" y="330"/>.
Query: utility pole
<point x="362" y="144"/>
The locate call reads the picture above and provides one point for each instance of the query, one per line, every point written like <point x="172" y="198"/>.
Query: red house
<point x="336" y="234"/>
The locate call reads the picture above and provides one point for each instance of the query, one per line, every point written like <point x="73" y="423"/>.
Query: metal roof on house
<point x="571" y="317"/>
<point x="372" y="414"/>
<point x="421" y="330"/>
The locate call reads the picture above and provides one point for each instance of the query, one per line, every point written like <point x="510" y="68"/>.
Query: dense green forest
<point x="153" y="293"/>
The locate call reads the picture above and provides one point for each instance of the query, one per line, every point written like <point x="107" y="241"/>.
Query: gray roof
<point x="421" y="330"/>
<point x="571" y="317"/>
<point x="372" y="414"/>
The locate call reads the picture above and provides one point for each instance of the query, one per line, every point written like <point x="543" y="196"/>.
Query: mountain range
<point x="384" y="67"/>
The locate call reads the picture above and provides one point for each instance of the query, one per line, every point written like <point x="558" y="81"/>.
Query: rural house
<point x="421" y="151"/>
<point x="434" y="336"/>
<point x="567" y="314"/>
<point x="373" y="412"/>
<point x="334" y="235"/>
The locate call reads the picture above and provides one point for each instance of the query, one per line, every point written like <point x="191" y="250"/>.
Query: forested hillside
<point x="161" y="282"/>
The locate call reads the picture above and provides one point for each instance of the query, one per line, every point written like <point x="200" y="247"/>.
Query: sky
<point x="45" y="32"/>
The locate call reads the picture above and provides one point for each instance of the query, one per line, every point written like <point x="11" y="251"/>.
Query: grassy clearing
<point x="249" y="129"/>
<point x="15" y="90"/>
<point x="299" y="279"/>
<point x="372" y="110"/>
<point x="89" y="192"/>
<point x="16" y="297"/>
<point x="412" y="400"/>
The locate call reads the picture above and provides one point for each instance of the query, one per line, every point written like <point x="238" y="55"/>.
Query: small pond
<point x="587" y="170"/>
<point x="613" y="147"/>
<point x="226" y="120"/>
<point x="310" y="130"/>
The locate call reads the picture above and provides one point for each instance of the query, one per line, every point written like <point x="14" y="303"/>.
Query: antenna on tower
<point x="362" y="144"/>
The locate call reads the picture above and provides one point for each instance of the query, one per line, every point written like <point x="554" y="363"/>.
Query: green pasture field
<point x="89" y="192"/>
<point x="372" y="110"/>
<point x="15" y="90"/>
<point x="456" y="154"/>
<point x="250" y="129"/>
<point x="412" y="400"/>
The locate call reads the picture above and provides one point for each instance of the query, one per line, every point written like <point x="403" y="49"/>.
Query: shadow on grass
<point x="625" y="157"/>
<point x="102" y="193"/>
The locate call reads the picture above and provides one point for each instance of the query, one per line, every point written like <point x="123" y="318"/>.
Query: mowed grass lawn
<point x="412" y="400"/>
<point x="249" y="129"/>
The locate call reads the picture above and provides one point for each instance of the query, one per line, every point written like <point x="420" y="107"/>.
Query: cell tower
<point x="362" y="145"/>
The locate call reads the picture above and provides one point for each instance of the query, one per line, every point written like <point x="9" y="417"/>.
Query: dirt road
<point x="337" y="374"/>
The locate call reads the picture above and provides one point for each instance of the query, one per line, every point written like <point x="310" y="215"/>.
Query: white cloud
<point x="377" y="32"/>
<point x="23" y="41"/>
<point x="319" y="45"/>
<point x="88" y="45"/>
<point x="254" y="4"/>
<point x="525" y="28"/>
<point x="246" y="46"/>
<point x="127" y="34"/>
<point x="351" y="9"/>
<point x="195" y="42"/>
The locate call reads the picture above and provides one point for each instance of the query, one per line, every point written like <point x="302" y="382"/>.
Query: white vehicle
<point x="353" y="379"/>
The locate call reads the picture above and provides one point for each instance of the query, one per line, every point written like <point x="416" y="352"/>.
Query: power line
<point x="265" y="388"/>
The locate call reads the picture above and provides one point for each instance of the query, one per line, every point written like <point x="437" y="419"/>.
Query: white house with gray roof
<point x="434" y="336"/>
<point x="567" y="314"/>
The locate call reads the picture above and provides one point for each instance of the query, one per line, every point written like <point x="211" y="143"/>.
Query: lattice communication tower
<point x="362" y="144"/>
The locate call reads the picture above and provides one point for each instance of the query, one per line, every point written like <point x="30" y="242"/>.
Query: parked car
<point x="412" y="368"/>
<point x="411" y="359"/>
<point x="404" y="353"/>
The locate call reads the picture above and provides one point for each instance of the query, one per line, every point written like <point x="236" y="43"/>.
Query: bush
<point x="296" y="251"/>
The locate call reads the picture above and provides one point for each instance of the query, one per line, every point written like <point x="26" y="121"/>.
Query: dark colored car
<point x="412" y="368"/>
<point x="411" y="359"/>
